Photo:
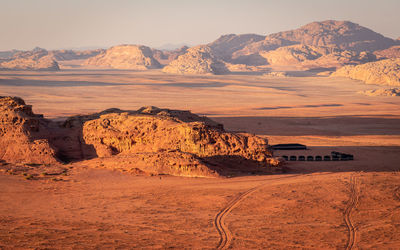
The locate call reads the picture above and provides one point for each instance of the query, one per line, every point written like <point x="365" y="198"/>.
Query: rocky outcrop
<point x="309" y="57"/>
<point x="134" y="57"/>
<point x="384" y="72"/>
<point x="197" y="60"/>
<point x="392" y="52"/>
<point x="149" y="140"/>
<point x="23" y="134"/>
<point x="382" y="92"/>
<point x="37" y="59"/>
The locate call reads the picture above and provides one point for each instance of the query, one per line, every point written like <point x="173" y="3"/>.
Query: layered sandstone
<point x="134" y="57"/>
<point x="197" y="60"/>
<point x="384" y="72"/>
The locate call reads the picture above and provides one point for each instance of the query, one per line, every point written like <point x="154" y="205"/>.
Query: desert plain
<point x="312" y="205"/>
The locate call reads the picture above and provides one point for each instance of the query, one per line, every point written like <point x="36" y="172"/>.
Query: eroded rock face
<point x="149" y="140"/>
<point x="197" y="60"/>
<point x="134" y="57"/>
<point x="384" y="72"/>
<point x="37" y="59"/>
<point x="23" y="134"/>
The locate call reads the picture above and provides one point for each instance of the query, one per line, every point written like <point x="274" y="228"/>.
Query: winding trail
<point x="352" y="204"/>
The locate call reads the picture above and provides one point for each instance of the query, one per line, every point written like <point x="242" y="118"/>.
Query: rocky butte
<point x="133" y="57"/>
<point x="149" y="140"/>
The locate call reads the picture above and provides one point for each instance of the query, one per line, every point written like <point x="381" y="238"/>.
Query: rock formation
<point x="197" y="60"/>
<point x="308" y="57"/>
<point x="23" y="134"/>
<point x="37" y="59"/>
<point x="149" y="140"/>
<point x="382" y="92"/>
<point x="384" y="72"/>
<point x="343" y="35"/>
<point x="134" y="57"/>
<point x="392" y="52"/>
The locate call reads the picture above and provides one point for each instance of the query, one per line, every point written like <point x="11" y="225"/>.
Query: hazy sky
<point x="53" y="24"/>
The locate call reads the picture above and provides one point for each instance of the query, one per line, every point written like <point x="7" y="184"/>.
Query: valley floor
<point x="320" y="205"/>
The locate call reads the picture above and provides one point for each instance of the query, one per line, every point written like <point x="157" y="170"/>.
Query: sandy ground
<point x="316" y="205"/>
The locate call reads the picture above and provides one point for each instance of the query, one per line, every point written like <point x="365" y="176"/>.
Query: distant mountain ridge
<point x="326" y="44"/>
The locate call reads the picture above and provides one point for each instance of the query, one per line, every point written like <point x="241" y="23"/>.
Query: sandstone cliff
<point x="134" y="57"/>
<point x="197" y="60"/>
<point x="384" y="72"/>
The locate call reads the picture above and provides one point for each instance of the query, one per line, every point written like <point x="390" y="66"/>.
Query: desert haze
<point x="136" y="147"/>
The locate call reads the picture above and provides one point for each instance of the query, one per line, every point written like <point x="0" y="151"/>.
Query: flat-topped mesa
<point x="134" y="57"/>
<point x="23" y="133"/>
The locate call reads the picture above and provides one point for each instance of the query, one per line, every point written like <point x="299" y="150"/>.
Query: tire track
<point x="226" y="236"/>
<point x="352" y="204"/>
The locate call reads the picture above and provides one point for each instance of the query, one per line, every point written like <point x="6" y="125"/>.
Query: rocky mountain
<point x="307" y="57"/>
<point x="343" y="35"/>
<point x="197" y="60"/>
<point x="149" y="140"/>
<point x="392" y="52"/>
<point x="384" y="72"/>
<point x="36" y="59"/>
<point x="134" y="57"/>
